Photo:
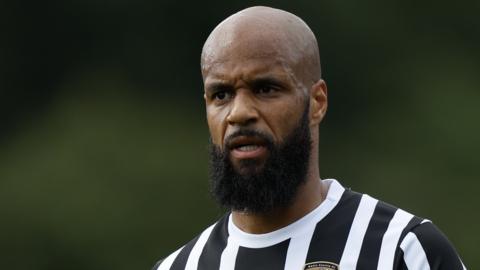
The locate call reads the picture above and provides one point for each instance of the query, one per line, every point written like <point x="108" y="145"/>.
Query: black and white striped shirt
<point x="348" y="230"/>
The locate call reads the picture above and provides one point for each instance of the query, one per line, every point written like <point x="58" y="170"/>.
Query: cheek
<point x="216" y="125"/>
<point x="286" y="118"/>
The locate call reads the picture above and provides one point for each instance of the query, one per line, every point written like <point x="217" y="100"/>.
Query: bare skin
<point x="259" y="66"/>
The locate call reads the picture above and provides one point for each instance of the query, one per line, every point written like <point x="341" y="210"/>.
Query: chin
<point x="249" y="167"/>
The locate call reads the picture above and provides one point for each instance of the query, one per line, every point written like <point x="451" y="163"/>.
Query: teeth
<point x="248" y="147"/>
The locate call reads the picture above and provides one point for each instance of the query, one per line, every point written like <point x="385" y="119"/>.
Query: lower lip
<point x="260" y="151"/>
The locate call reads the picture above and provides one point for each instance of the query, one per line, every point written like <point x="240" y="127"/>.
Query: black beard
<point x="273" y="185"/>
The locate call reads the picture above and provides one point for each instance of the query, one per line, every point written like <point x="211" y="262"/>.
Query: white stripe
<point x="390" y="239"/>
<point x="357" y="232"/>
<point x="425" y="221"/>
<point x="298" y="249"/>
<point x="300" y="241"/>
<point x="192" y="261"/>
<point x="413" y="253"/>
<point x="229" y="255"/>
<point x="165" y="265"/>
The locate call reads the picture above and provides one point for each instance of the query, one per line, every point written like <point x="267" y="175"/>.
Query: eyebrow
<point x="255" y="82"/>
<point x="217" y="86"/>
<point x="266" y="80"/>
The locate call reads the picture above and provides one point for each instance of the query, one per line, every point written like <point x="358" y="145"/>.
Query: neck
<point x="308" y="197"/>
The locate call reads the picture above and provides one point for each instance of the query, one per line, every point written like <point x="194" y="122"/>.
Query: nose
<point x="243" y="111"/>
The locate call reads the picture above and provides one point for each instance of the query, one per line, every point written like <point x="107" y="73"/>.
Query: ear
<point x="318" y="102"/>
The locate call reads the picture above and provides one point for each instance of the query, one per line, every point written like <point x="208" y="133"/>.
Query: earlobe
<point x="318" y="102"/>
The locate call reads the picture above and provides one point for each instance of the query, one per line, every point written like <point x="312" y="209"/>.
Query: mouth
<point x="246" y="147"/>
<point x="249" y="152"/>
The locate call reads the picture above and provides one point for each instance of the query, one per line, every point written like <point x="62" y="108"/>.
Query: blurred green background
<point x="103" y="138"/>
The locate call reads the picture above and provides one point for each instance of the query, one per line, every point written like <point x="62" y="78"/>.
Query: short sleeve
<point x="426" y="247"/>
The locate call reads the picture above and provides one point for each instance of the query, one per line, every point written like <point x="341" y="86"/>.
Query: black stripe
<point x="372" y="242"/>
<point x="414" y="222"/>
<point x="216" y="243"/>
<point x="182" y="257"/>
<point x="401" y="262"/>
<point x="441" y="255"/>
<point x="331" y="233"/>
<point x="272" y="257"/>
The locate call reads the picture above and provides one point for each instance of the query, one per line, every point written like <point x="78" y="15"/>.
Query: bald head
<point x="263" y="32"/>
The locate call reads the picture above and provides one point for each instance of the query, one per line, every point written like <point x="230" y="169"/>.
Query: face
<point x="261" y="94"/>
<point x="258" y="115"/>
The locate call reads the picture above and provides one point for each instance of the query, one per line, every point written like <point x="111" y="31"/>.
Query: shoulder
<point x="402" y="238"/>
<point x="425" y="244"/>
<point x="419" y="243"/>
<point x="180" y="258"/>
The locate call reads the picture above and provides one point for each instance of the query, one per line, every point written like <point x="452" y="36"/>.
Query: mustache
<point x="267" y="140"/>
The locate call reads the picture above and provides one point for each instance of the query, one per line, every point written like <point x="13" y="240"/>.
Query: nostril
<point x="241" y="121"/>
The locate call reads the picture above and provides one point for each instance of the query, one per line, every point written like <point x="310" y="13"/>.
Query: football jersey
<point x="347" y="231"/>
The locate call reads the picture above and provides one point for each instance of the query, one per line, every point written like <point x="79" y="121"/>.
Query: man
<point x="265" y="100"/>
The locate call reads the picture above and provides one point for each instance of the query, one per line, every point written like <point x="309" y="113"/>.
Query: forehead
<point x="247" y="69"/>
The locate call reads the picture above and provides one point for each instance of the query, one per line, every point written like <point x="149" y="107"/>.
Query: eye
<point x="266" y="89"/>
<point x="221" y="95"/>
